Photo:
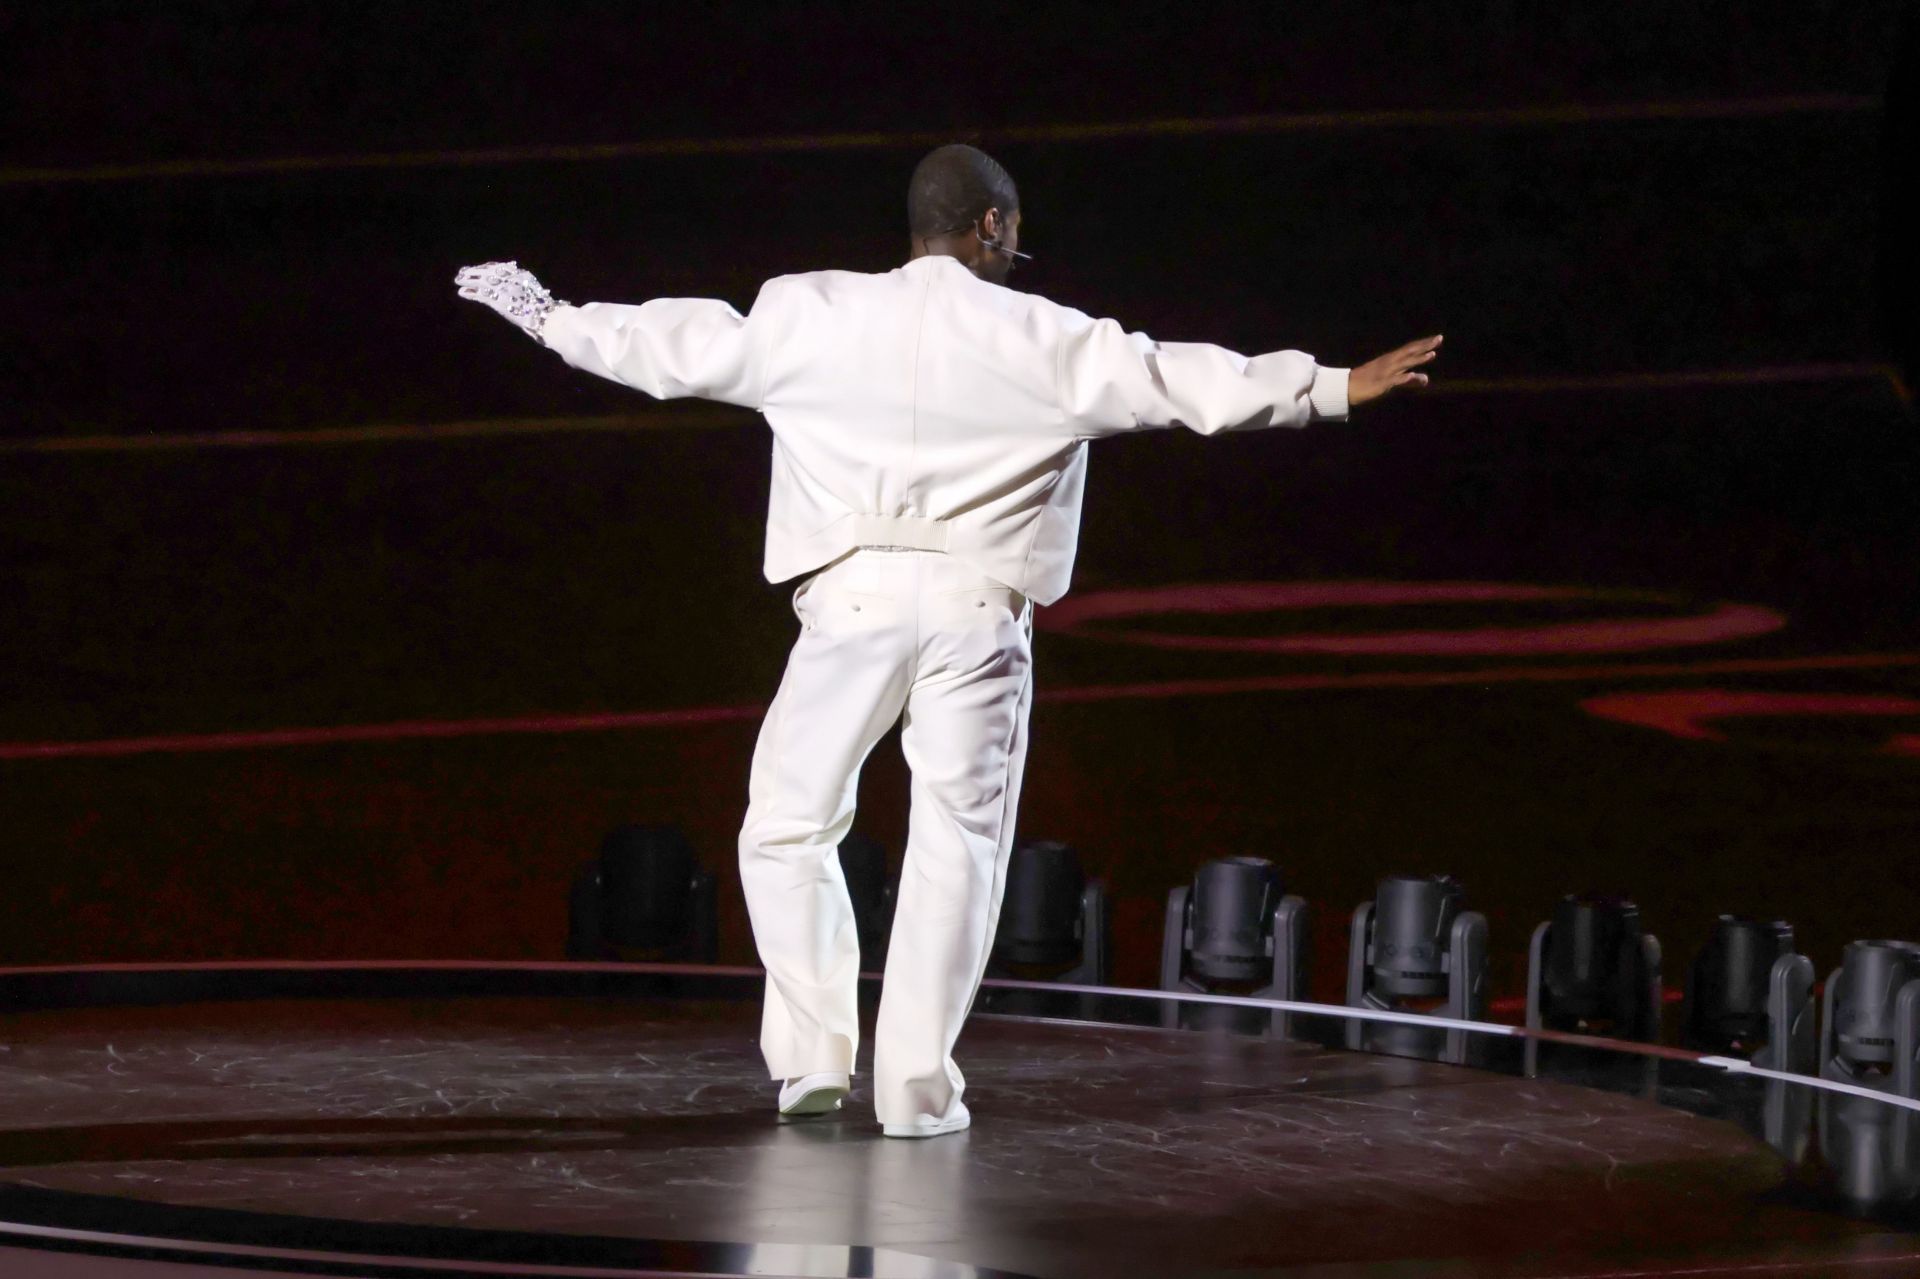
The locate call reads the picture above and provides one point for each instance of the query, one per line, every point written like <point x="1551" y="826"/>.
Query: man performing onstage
<point x="930" y="432"/>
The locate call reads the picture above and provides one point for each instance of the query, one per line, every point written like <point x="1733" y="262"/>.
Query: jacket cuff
<point x="545" y="333"/>
<point x="1329" y="393"/>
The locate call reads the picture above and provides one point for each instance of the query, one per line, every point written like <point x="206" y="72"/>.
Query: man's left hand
<point x="1395" y="369"/>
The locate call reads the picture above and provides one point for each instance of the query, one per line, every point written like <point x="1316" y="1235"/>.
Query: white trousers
<point x="888" y="635"/>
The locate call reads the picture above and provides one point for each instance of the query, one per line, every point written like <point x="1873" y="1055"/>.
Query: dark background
<point x="1671" y="251"/>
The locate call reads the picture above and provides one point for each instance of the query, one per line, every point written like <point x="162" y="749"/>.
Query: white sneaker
<point x="817" y="1094"/>
<point x="928" y="1126"/>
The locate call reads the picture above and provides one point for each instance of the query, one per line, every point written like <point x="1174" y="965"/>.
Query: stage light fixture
<point x="1052" y="915"/>
<point x="1870" y="1018"/>
<point x="1786" y="1118"/>
<point x="1233" y="924"/>
<point x="863" y="864"/>
<point x="1593" y="967"/>
<point x="1873" y="1151"/>
<point x="1408" y="947"/>
<point x="1748" y="991"/>
<point x="644" y="897"/>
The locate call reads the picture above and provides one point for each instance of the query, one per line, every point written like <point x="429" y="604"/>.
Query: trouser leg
<point x="843" y="688"/>
<point x="965" y="739"/>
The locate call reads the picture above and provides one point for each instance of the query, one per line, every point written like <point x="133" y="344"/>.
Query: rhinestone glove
<point x="510" y="290"/>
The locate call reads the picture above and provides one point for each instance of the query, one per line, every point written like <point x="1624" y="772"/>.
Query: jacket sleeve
<point x="669" y="347"/>
<point x="1111" y="380"/>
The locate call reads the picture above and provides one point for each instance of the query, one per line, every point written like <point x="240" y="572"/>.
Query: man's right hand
<point x="1378" y="376"/>
<point x="511" y="290"/>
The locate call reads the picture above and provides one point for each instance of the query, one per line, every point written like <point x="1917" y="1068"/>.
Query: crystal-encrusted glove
<point x="511" y="290"/>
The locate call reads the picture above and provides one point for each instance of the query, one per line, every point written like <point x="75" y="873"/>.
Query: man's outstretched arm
<point x="1113" y="381"/>
<point x="669" y="347"/>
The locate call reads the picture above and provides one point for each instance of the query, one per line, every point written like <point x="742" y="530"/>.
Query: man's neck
<point x="945" y="246"/>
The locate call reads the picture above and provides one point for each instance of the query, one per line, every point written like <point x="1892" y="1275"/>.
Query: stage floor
<point x="636" y="1134"/>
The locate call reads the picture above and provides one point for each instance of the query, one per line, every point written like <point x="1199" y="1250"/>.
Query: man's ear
<point x="990" y="228"/>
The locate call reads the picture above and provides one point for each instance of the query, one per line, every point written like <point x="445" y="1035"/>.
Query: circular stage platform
<point x="616" y="1121"/>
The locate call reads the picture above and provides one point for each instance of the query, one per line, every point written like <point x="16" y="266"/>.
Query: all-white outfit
<point x="930" y="412"/>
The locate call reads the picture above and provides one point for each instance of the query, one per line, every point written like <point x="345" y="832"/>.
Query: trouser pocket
<point x="986" y="605"/>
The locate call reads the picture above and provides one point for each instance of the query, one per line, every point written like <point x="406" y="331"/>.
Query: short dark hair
<point x="954" y="186"/>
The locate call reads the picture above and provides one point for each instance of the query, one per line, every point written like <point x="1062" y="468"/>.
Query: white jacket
<point x="926" y="407"/>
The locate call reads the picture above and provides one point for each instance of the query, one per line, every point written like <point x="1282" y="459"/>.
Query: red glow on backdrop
<point x="1720" y="624"/>
<point x="1691" y="713"/>
<point x="697" y="716"/>
<point x="1685" y="714"/>
<point x="404" y="730"/>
